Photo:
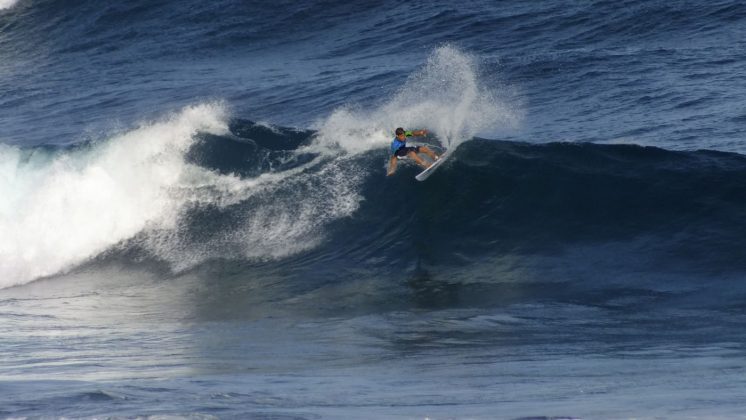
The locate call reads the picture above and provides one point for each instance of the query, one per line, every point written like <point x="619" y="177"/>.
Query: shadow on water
<point x="432" y="293"/>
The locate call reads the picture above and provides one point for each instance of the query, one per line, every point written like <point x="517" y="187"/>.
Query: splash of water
<point x="446" y="96"/>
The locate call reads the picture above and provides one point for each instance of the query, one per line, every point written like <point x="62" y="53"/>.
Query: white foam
<point x="446" y="97"/>
<point x="7" y="4"/>
<point x="63" y="208"/>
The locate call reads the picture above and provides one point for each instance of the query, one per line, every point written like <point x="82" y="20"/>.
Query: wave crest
<point x="65" y="206"/>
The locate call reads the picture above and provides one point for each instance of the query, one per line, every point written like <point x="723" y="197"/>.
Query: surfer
<point x="399" y="149"/>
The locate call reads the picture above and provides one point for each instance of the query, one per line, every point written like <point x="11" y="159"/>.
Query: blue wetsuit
<point x="399" y="148"/>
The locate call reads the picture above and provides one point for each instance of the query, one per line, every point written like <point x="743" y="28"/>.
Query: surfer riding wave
<point x="399" y="150"/>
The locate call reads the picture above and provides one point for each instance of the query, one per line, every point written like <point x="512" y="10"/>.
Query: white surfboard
<point x="429" y="171"/>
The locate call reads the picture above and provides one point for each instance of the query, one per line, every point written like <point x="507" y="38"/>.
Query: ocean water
<point x="195" y="220"/>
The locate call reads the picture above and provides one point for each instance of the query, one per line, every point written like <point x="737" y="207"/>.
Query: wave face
<point x="201" y="186"/>
<point x="255" y="194"/>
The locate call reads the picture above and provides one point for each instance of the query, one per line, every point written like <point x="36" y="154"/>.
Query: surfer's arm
<point x="419" y="133"/>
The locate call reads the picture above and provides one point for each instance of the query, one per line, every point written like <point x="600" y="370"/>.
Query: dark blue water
<point x="196" y="223"/>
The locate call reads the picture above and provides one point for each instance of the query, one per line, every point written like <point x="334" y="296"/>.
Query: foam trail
<point x="62" y="208"/>
<point x="446" y="96"/>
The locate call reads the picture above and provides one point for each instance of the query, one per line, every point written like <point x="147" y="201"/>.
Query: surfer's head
<point x="399" y="132"/>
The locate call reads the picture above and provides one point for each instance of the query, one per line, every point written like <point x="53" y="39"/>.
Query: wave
<point x="65" y="206"/>
<point x="201" y="186"/>
<point x="501" y="222"/>
<point x="273" y="189"/>
<point x="187" y="189"/>
<point x="189" y="199"/>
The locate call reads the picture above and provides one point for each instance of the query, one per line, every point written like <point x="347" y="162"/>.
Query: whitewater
<point x="7" y="4"/>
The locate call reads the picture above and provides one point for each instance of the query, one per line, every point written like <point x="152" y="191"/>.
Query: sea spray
<point x="277" y="215"/>
<point x="446" y="96"/>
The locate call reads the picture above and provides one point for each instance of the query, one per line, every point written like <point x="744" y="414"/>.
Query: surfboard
<point x="429" y="171"/>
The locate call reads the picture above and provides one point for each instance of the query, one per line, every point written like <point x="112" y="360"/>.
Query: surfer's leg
<point x="418" y="159"/>
<point x="426" y="150"/>
<point x="392" y="165"/>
